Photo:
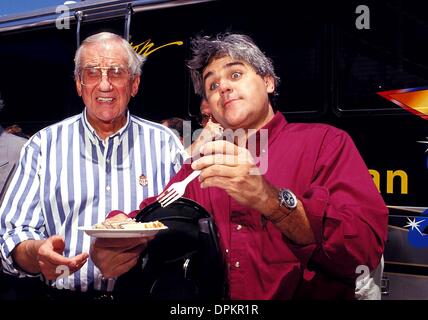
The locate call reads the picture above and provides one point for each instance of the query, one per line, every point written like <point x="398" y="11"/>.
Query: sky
<point x="16" y="6"/>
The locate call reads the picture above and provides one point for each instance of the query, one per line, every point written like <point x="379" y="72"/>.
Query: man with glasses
<point x="74" y="172"/>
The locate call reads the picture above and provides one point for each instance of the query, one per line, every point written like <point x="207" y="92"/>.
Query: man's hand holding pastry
<point x="115" y="256"/>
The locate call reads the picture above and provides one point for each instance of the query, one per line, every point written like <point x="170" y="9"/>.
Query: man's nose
<point x="105" y="84"/>
<point x="225" y="86"/>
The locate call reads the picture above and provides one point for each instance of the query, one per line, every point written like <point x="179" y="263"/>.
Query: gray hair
<point x="135" y="61"/>
<point x="237" y="46"/>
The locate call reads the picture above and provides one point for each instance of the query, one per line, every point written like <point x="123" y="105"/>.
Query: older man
<point x="74" y="172"/>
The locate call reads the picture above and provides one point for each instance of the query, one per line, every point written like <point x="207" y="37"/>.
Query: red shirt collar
<point x="273" y="127"/>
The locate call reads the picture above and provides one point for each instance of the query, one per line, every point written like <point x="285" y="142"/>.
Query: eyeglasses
<point x="90" y="76"/>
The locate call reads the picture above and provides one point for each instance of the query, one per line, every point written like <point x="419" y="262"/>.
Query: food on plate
<point x="129" y="224"/>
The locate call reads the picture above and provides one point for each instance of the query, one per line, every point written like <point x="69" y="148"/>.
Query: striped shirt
<point x="69" y="177"/>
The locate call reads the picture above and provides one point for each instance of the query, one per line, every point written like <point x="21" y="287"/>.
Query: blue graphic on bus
<point x="416" y="235"/>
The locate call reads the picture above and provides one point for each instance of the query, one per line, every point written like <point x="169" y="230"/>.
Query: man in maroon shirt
<point x="295" y="206"/>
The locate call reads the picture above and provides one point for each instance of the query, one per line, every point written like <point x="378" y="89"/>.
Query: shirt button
<point x="227" y="250"/>
<point x="108" y="188"/>
<point x="237" y="264"/>
<point x="108" y="160"/>
<point x="238" y="227"/>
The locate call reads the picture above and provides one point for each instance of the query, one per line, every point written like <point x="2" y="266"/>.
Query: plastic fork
<point x="176" y="190"/>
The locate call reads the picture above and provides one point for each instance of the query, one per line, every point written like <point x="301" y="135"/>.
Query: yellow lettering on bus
<point x="391" y="175"/>
<point x="376" y="178"/>
<point x="145" y="47"/>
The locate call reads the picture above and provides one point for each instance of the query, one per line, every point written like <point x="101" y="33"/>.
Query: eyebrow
<point x="226" y="66"/>
<point x="90" y="65"/>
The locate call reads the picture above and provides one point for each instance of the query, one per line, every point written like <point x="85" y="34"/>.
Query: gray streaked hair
<point x="237" y="46"/>
<point x="135" y="61"/>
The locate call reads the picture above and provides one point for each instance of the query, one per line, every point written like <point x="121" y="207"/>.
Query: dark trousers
<point x="14" y="288"/>
<point x="64" y="295"/>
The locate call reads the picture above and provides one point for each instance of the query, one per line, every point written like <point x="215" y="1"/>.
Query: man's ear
<point x="79" y="87"/>
<point x="269" y="83"/>
<point x="135" y="85"/>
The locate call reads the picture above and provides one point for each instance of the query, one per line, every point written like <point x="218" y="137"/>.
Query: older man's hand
<point x="49" y="257"/>
<point x="116" y="256"/>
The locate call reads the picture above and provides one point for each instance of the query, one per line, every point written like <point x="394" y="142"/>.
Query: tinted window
<point x="388" y="56"/>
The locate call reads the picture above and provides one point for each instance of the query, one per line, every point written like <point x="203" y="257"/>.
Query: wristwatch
<point x="287" y="199"/>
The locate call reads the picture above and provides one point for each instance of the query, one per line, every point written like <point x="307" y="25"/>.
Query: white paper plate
<point x="121" y="233"/>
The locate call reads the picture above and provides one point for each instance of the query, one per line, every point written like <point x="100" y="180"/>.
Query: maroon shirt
<point x="322" y="166"/>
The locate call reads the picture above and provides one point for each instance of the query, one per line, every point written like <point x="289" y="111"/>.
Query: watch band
<point x="280" y="216"/>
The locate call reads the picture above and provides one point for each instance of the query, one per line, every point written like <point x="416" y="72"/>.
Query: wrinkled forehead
<point x="104" y="53"/>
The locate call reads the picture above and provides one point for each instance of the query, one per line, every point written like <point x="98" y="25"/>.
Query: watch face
<point x="288" y="199"/>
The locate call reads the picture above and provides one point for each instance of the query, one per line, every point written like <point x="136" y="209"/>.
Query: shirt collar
<point x="93" y="136"/>
<point x="272" y="128"/>
<point x="275" y="125"/>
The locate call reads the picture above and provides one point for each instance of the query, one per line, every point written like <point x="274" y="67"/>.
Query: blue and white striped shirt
<point x="69" y="177"/>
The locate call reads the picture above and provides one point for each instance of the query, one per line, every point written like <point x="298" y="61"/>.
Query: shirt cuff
<point x="315" y="202"/>
<point x="9" y="245"/>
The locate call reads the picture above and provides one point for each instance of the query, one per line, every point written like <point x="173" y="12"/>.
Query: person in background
<point x="205" y="114"/>
<point x="295" y="206"/>
<point x="210" y="130"/>
<point x="16" y="130"/>
<point x="10" y="148"/>
<point x="74" y="172"/>
<point x="175" y="124"/>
